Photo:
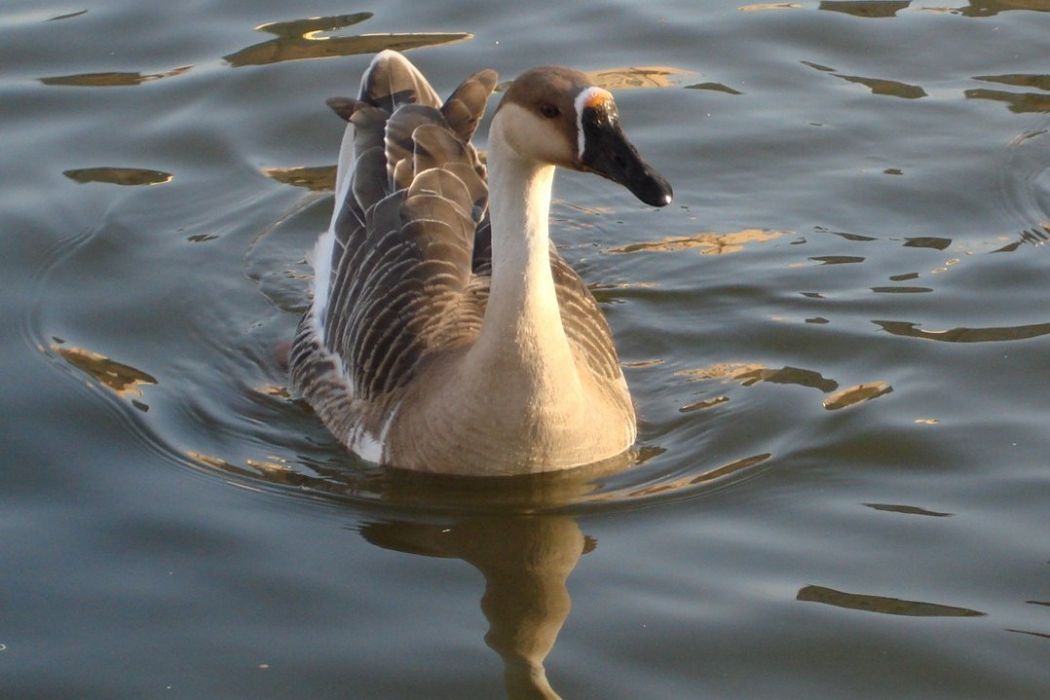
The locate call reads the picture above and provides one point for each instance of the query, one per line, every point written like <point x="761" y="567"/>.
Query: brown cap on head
<point x="547" y="84"/>
<point x="569" y="103"/>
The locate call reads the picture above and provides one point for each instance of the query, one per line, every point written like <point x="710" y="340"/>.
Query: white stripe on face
<point x="590" y="97"/>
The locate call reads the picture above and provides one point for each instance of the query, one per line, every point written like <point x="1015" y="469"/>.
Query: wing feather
<point x="391" y="81"/>
<point x="465" y="107"/>
<point x="584" y="323"/>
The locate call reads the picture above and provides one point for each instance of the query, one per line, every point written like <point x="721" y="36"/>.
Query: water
<point x="835" y="337"/>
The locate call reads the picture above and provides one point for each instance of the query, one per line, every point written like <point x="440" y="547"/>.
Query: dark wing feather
<point x="369" y="174"/>
<point x="465" y="107"/>
<point x="482" y="258"/>
<point x="584" y="323"/>
<point x="403" y="279"/>
<point x="400" y="135"/>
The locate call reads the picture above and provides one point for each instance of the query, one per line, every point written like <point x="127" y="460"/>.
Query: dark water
<point x="837" y="337"/>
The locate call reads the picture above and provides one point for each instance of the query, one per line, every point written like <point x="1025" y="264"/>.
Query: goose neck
<point x="522" y="331"/>
<point x="520" y="202"/>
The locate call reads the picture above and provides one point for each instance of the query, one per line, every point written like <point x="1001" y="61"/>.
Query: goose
<point x="445" y="332"/>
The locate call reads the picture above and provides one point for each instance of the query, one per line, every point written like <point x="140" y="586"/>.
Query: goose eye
<point x="550" y="111"/>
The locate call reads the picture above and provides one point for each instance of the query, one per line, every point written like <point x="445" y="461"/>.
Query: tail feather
<point x="344" y="107"/>
<point x="465" y="107"/>
<point x="392" y="81"/>
<point x="434" y="146"/>
<point x="400" y="133"/>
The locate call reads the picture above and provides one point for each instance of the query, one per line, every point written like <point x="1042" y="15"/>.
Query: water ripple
<point x="1025" y="183"/>
<point x="258" y="437"/>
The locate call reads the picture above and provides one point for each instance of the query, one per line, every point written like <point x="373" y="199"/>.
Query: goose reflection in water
<point x="514" y="530"/>
<point x="526" y="561"/>
<point x="510" y="531"/>
<point x="520" y="532"/>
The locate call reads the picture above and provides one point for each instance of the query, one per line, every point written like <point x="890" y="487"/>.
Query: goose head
<point x="557" y="116"/>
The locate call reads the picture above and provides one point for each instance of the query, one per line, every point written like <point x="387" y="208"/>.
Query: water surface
<point x="835" y="337"/>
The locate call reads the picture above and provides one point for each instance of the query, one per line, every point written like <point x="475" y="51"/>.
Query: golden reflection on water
<point x="857" y="394"/>
<point x="642" y="364"/>
<point x="303" y="39"/>
<point x="316" y="179"/>
<point x="280" y="392"/>
<point x="708" y="243"/>
<point x="629" y="77"/>
<point x="881" y="86"/>
<point x="691" y="480"/>
<point x="721" y="370"/>
<point x="637" y="77"/>
<point x="878" y="86"/>
<point x="128" y="177"/>
<point x="1019" y="102"/>
<point x="749" y="374"/>
<point x="880" y="604"/>
<point x="111" y="79"/>
<point x="1041" y="82"/>
<point x="866" y="8"/>
<point x="934" y="242"/>
<point x="701" y="405"/>
<point x="122" y="379"/>
<point x="989" y="8"/>
<point x="964" y="334"/>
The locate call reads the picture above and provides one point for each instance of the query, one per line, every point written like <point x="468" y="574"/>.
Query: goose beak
<point x="608" y="153"/>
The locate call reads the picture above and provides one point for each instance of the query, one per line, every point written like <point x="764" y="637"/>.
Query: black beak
<point x="608" y="153"/>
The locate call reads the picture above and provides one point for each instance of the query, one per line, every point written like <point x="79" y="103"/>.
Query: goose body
<point x="446" y="334"/>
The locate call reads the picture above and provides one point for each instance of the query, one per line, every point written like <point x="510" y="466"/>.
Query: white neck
<point x="522" y="338"/>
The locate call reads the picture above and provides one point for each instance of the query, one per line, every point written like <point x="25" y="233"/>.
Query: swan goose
<point x="445" y="333"/>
